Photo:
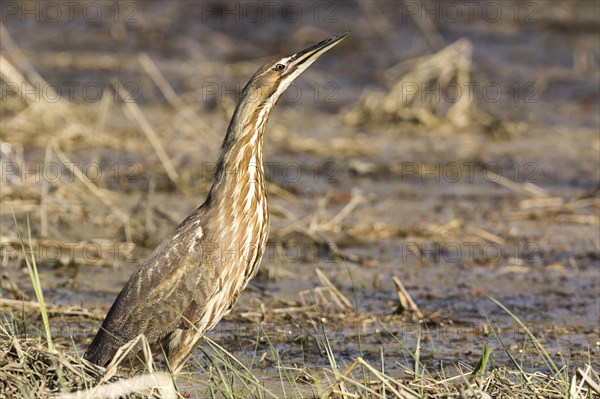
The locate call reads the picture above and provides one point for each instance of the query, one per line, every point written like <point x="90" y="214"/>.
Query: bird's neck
<point x="239" y="171"/>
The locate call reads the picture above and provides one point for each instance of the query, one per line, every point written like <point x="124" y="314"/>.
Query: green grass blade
<point x="482" y="363"/>
<point x="35" y="280"/>
<point x="538" y="345"/>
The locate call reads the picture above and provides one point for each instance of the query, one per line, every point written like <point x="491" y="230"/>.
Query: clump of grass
<point x="28" y="369"/>
<point x="35" y="280"/>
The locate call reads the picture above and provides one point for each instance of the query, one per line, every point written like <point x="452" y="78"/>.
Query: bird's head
<point x="270" y="81"/>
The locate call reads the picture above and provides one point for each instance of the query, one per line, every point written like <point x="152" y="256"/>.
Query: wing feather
<point x="178" y="275"/>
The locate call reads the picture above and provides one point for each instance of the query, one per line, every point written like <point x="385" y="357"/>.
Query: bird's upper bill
<point x="312" y="53"/>
<point x="276" y="76"/>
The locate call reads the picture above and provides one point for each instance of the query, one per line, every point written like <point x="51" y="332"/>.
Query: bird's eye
<point x="279" y="67"/>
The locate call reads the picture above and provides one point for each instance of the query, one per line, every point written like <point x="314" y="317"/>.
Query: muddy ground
<point x="459" y="212"/>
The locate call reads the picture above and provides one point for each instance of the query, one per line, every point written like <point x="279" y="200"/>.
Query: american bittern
<point x="195" y="276"/>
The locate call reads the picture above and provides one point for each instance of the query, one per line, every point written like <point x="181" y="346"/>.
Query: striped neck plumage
<point x="241" y="158"/>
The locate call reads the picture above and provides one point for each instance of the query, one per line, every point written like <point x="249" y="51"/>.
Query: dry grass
<point x="30" y="369"/>
<point x="410" y="95"/>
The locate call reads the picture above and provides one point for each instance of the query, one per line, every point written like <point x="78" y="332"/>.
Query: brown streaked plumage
<point x="195" y="276"/>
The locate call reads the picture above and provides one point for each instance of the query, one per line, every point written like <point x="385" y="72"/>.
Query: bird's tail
<point x="102" y="349"/>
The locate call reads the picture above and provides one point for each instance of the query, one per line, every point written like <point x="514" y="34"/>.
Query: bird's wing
<point x="171" y="286"/>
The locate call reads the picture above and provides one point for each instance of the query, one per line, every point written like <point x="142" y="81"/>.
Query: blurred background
<point x="453" y="146"/>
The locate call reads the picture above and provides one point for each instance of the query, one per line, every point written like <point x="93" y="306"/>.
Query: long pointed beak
<point x="312" y="53"/>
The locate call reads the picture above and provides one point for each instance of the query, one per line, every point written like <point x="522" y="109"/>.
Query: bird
<point x="196" y="274"/>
